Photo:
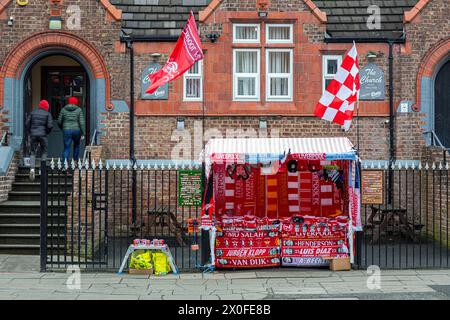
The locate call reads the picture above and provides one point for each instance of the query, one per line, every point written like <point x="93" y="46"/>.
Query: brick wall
<point x="156" y="137"/>
<point x="7" y="180"/>
<point x="97" y="28"/>
<point x="86" y="215"/>
<point x="424" y="32"/>
<point x="154" y="134"/>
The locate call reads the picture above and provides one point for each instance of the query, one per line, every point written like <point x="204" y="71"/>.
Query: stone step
<point x="36" y="196"/>
<point x="29" y="218"/>
<point x="62" y="178"/>
<point x="24" y="249"/>
<point x="31" y="207"/>
<point x="30" y="239"/>
<point x="36" y="186"/>
<point x="28" y="228"/>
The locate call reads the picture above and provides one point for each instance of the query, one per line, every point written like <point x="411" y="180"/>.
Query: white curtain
<point x="279" y="64"/>
<point x="279" y="33"/>
<point x="246" y="87"/>
<point x="279" y="86"/>
<point x="193" y="83"/>
<point x="246" y="62"/>
<point x="192" y="88"/>
<point x="246" y="33"/>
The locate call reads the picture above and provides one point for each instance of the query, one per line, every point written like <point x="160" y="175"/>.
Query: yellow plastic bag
<point x="161" y="263"/>
<point x="141" y="260"/>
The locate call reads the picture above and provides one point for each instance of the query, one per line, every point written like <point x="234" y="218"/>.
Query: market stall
<point x="281" y="202"/>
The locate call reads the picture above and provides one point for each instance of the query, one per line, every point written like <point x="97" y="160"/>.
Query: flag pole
<point x="357" y="125"/>
<point x="205" y="240"/>
<point x="357" y="106"/>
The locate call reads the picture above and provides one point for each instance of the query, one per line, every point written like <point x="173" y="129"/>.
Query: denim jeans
<point x="38" y="143"/>
<point x="69" y="137"/>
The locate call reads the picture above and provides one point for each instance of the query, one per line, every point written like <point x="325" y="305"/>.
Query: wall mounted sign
<point x="372" y="83"/>
<point x="372" y="187"/>
<point x="190" y="188"/>
<point x="162" y="93"/>
<point x="22" y="2"/>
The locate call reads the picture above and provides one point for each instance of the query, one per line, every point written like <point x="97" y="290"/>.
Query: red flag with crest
<point x="187" y="51"/>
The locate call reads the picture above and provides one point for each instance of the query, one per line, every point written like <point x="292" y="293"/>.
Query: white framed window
<point x="279" y="75"/>
<point x="279" y="33"/>
<point x="246" y="33"/>
<point x="330" y="65"/>
<point x="246" y="74"/>
<point x="193" y="83"/>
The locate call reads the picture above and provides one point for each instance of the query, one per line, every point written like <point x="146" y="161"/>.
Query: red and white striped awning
<point x="263" y="150"/>
<point x="252" y="146"/>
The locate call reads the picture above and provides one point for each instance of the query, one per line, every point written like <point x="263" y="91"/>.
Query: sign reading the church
<point x="372" y="83"/>
<point x="162" y="93"/>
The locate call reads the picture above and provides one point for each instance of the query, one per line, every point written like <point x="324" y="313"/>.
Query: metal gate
<point x="409" y="227"/>
<point x="89" y="218"/>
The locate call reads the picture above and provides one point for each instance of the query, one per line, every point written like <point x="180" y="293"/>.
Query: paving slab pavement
<point x="19" y="281"/>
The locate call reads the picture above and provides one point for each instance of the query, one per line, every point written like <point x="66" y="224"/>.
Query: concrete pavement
<point x="26" y="283"/>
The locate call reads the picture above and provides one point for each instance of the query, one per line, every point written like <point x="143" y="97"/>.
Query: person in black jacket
<point x="39" y="124"/>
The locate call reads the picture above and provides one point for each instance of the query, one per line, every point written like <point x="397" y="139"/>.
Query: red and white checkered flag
<point x="338" y="101"/>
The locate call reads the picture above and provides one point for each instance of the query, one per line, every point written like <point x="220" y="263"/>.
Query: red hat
<point x="73" y="100"/>
<point x="44" y="105"/>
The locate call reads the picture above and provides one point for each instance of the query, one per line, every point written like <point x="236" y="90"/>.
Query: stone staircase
<point x="20" y="214"/>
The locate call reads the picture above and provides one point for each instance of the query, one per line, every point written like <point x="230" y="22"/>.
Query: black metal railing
<point x="87" y="216"/>
<point x="87" y="221"/>
<point x="411" y="230"/>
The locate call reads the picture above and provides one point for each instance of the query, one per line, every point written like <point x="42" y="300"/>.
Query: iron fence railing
<point x="409" y="227"/>
<point x="87" y="218"/>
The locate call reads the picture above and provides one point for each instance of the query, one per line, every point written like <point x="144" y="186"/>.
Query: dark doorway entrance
<point x="442" y="105"/>
<point x="55" y="79"/>
<point x="58" y="85"/>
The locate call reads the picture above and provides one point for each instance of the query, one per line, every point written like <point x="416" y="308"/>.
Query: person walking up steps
<point x="38" y="125"/>
<point x="71" y="121"/>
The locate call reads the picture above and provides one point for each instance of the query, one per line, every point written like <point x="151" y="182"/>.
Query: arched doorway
<point x="442" y="104"/>
<point x="24" y="57"/>
<point x="56" y="78"/>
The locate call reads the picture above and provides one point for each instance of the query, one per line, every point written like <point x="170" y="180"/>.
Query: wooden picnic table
<point x="382" y="218"/>
<point x="164" y="217"/>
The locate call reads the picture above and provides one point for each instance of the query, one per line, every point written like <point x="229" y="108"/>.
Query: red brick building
<point x="266" y="65"/>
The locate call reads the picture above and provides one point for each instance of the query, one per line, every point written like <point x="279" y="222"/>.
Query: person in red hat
<point x="71" y="121"/>
<point x="39" y="124"/>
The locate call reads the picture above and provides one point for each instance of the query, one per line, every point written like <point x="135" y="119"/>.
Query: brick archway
<point x="18" y="57"/>
<point x="429" y="65"/>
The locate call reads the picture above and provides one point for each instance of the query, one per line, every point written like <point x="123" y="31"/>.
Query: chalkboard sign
<point x="372" y="187"/>
<point x="162" y="93"/>
<point x="190" y="188"/>
<point x="373" y="86"/>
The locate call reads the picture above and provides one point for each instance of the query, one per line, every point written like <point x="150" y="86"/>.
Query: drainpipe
<point x="129" y="43"/>
<point x="391" y="121"/>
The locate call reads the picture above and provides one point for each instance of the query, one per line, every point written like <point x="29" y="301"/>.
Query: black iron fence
<point x="407" y="226"/>
<point x="88" y="219"/>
